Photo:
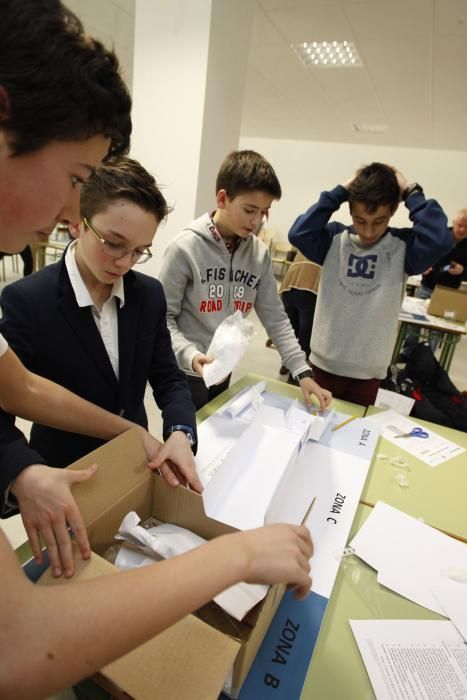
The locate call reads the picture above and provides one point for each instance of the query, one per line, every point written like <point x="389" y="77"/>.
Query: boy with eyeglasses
<point x="98" y="328"/>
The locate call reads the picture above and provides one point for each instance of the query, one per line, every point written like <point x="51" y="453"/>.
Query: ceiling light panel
<point x="328" y="54"/>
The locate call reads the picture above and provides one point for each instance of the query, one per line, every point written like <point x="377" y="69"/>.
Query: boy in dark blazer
<point x="93" y="325"/>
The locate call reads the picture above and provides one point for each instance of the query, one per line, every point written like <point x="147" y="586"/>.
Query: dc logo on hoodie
<point x="362" y="266"/>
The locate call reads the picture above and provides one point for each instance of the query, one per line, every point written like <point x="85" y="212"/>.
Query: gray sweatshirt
<point x="361" y="287"/>
<point x="204" y="283"/>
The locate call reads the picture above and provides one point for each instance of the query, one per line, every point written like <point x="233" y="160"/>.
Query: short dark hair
<point x="246" y="171"/>
<point x="375" y="185"/>
<point x="60" y="84"/>
<point x="122" y="178"/>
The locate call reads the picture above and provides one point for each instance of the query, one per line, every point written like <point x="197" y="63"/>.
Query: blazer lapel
<point x="128" y="324"/>
<point x="87" y="335"/>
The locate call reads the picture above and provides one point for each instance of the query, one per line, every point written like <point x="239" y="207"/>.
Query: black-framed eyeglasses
<point x="115" y="250"/>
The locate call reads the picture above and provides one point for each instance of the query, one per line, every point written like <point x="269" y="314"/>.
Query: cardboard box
<point x="192" y="658"/>
<point x="448" y="303"/>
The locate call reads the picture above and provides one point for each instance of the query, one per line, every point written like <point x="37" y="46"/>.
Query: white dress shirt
<point x="106" y="318"/>
<point x="3" y="345"/>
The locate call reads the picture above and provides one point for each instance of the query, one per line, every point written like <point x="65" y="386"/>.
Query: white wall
<point x="112" y="22"/>
<point x="305" y="168"/>
<point x="169" y="83"/>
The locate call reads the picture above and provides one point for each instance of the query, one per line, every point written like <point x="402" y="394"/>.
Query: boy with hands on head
<point x="364" y="270"/>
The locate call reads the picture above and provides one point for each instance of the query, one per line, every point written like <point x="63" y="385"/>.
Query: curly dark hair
<point x="122" y="178"/>
<point x="56" y="83"/>
<point x="247" y="171"/>
<point x="375" y="185"/>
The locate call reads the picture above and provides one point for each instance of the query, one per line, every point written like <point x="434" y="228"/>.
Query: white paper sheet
<point x="433" y="450"/>
<point x="413" y="659"/>
<point x="336" y="480"/>
<point x="452" y="598"/>
<point x="409" y="555"/>
<point x="398" y="402"/>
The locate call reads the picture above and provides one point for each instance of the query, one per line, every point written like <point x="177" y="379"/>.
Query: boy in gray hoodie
<point x="217" y="265"/>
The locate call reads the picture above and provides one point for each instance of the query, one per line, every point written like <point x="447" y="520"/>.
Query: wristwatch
<point x="303" y="375"/>
<point x="190" y="436"/>
<point x="410" y="189"/>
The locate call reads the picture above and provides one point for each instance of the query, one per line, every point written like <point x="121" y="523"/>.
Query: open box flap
<point x="188" y="660"/>
<point x="122" y="465"/>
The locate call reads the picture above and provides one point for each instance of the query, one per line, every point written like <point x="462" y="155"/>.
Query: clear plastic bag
<point x="228" y="345"/>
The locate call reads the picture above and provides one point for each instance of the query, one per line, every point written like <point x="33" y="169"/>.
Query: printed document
<point x="413" y="659"/>
<point x="433" y="450"/>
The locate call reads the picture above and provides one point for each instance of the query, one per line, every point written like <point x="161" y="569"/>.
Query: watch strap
<point x="304" y="374"/>
<point x="187" y="429"/>
<point x="410" y="189"/>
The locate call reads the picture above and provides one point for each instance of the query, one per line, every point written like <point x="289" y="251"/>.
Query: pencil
<point x="308" y="511"/>
<point x="344" y="422"/>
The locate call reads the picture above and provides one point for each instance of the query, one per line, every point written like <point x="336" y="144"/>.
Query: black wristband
<point x="303" y="375"/>
<point x="410" y="189"/>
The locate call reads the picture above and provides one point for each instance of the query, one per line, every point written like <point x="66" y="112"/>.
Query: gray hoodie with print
<point x="204" y="283"/>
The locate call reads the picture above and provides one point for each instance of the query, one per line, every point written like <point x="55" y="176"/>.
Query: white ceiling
<point x="413" y="78"/>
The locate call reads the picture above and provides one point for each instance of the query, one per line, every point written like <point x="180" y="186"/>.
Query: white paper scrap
<point x="250" y="397"/>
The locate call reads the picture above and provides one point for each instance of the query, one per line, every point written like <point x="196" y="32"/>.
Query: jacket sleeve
<point x="312" y="233"/>
<point x="169" y="384"/>
<point x="175" y="275"/>
<point x="15" y="453"/>
<point x="270" y="310"/>
<point x="430" y="238"/>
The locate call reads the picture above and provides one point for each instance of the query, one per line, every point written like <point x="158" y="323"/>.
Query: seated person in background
<point x="298" y="291"/>
<point x="364" y="270"/>
<point x="451" y="269"/>
<point x="98" y="328"/>
<point x="217" y="265"/>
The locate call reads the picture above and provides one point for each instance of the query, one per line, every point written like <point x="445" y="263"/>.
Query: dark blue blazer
<point x="57" y="339"/>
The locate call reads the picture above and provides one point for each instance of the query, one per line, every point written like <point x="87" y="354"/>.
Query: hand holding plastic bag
<point x="228" y="345"/>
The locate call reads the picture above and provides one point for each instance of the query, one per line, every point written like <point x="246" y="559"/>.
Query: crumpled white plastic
<point x="167" y="540"/>
<point x="228" y="345"/>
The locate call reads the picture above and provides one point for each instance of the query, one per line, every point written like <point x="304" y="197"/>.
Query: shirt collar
<point x="81" y="292"/>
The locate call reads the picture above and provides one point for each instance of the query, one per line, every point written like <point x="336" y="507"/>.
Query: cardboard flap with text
<point x="188" y="660"/>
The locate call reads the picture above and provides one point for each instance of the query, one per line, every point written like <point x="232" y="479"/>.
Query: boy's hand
<point x="199" y="361"/>
<point x="402" y="182"/>
<point x="175" y="462"/>
<point x="308" y="387"/>
<point x="275" y="554"/>
<point x="348" y="182"/>
<point x="48" y="508"/>
<point x="456" y="268"/>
